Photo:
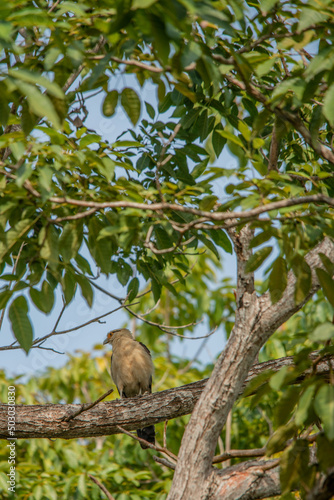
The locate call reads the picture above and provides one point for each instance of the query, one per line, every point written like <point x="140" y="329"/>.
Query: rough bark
<point x="256" y="320"/>
<point x="45" y="421"/>
<point x="246" y="481"/>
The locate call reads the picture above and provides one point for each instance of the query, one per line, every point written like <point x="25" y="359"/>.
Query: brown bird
<point x="131" y="371"/>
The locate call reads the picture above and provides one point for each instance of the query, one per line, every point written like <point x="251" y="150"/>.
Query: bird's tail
<point x="148" y="433"/>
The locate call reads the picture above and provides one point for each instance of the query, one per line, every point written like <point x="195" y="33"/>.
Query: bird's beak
<point x="106" y="341"/>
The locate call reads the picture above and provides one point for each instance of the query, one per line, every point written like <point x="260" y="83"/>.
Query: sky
<point x="16" y="362"/>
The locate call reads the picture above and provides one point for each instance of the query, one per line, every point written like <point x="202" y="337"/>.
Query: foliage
<point x="248" y="80"/>
<point x="59" y="177"/>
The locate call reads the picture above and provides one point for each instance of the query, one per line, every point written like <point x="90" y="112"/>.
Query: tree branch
<point x="47" y="421"/>
<point x="246" y="481"/>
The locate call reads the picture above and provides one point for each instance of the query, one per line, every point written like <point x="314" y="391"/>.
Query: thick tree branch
<point x="246" y="481"/>
<point x="48" y="421"/>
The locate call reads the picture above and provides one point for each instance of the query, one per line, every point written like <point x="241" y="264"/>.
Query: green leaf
<point x="278" y="440"/>
<point x="69" y="285"/>
<point x="260" y="238"/>
<point x="39" y="103"/>
<point x="150" y="110"/>
<point x="329" y="265"/>
<point x="304" y="404"/>
<point x="277" y="380"/>
<point x="4" y="298"/>
<point x="28" y="120"/>
<point x="71" y="458"/>
<point x="199" y="169"/>
<point x="286" y="86"/>
<point x="124" y="272"/>
<point x="36" y="78"/>
<point x="286" y="404"/>
<point x="327" y="284"/>
<point x="208" y="202"/>
<point x="328" y="107"/>
<point x="221" y="239"/>
<point x="82" y="485"/>
<point x="278" y="279"/>
<point x="310" y="16"/>
<point x="303" y="275"/>
<point x="133" y="288"/>
<point x="49" y="248"/>
<point x="267" y="5"/>
<point x="131" y="104"/>
<point x="89" y="139"/>
<point x="20" y="323"/>
<point x="44" y="298"/>
<point x="69" y="242"/>
<point x="83" y="264"/>
<point x="321" y="62"/>
<point x="257" y="259"/>
<point x="161" y="41"/>
<point x="322" y="333"/>
<point x="325" y="453"/>
<point x="4" y="110"/>
<point x="324" y="407"/>
<point x="142" y="4"/>
<point x="110" y="103"/>
<point x="208" y="243"/>
<point x="14" y="234"/>
<point x="156" y="289"/>
<point x="293" y="464"/>
<point x="162" y="237"/>
<point x="218" y="142"/>
<point x="231" y="137"/>
<point x="86" y="289"/>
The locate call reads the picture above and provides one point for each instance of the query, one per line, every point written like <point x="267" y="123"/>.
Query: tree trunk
<point x="256" y="320"/>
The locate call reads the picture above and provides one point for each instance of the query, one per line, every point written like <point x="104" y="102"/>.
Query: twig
<point x="274" y="150"/>
<point x="162" y="160"/>
<point x="227" y="455"/>
<point x="60" y="315"/>
<point x="77" y="216"/>
<point x="39" y="341"/>
<point x="165" y="434"/>
<point x="53" y="6"/>
<point x="256" y="452"/>
<point x="94" y="320"/>
<point x="272" y="465"/>
<point x="48" y="349"/>
<point x="102" y="487"/>
<point x="149" y="445"/>
<point x="198" y="352"/>
<point x="86" y="407"/>
<point x="164" y="461"/>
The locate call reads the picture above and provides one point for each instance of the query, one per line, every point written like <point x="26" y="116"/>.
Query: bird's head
<point x="114" y="334"/>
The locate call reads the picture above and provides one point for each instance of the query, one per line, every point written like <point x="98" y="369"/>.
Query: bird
<point x="131" y="370"/>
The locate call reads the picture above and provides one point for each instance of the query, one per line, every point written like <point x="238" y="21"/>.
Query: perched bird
<point x="131" y="371"/>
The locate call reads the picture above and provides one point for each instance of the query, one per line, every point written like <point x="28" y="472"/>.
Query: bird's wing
<point x="123" y="395"/>
<point x="145" y="348"/>
<point x="149" y="353"/>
